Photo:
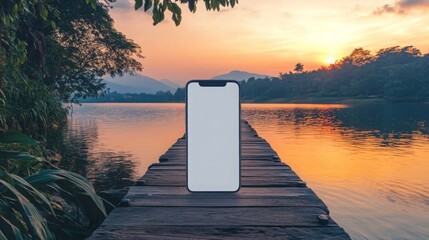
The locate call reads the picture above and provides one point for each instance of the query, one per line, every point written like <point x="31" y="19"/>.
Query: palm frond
<point x="73" y="185"/>
<point x="17" y="137"/>
<point x="41" y="206"/>
<point x="36" y="224"/>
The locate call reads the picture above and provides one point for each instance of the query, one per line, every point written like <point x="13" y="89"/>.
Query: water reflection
<point x="80" y="149"/>
<point x="368" y="163"/>
<point x="113" y="144"/>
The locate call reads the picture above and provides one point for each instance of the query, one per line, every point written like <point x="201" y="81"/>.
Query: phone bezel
<point x="214" y="83"/>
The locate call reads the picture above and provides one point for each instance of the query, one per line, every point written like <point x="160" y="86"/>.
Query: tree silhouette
<point x="358" y="57"/>
<point x="159" y="7"/>
<point x="299" y="68"/>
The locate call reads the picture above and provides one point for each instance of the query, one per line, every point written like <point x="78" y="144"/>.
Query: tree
<point x="57" y="51"/>
<point x="83" y="48"/>
<point x="394" y="73"/>
<point x="159" y="7"/>
<point x="53" y="52"/>
<point x="299" y="67"/>
<point x="358" y="57"/>
<point x="397" y="54"/>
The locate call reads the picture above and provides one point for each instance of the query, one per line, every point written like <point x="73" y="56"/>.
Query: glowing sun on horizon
<point x="330" y="60"/>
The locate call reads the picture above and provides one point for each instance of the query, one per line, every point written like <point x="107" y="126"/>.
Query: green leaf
<point x="26" y="211"/>
<point x="191" y="5"/>
<point x="73" y="185"/>
<point x="36" y="198"/>
<point x="158" y="13"/>
<point x="177" y="13"/>
<point x="16" y="137"/>
<point x="37" y="225"/>
<point x="93" y="4"/>
<point x="2" y="97"/>
<point x="10" y="230"/>
<point x="7" y="177"/>
<point x="176" y="8"/>
<point x="138" y="4"/>
<point x="147" y="5"/>
<point x="16" y="155"/>
<point x="43" y="12"/>
<point x="155" y="15"/>
<point x="233" y="2"/>
<point x="208" y="6"/>
<point x="15" y="9"/>
<point x="2" y="236"/>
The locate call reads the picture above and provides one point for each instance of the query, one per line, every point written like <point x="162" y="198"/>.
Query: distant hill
<point x="136" y="84"/>
<point x="239" y="75"/>
<point x="170" y="83"/>
<point x="144" y="84"/>
<point x="114" y="87"/>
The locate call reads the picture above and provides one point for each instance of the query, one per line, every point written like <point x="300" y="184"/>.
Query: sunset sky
<point x="270" y="36"/>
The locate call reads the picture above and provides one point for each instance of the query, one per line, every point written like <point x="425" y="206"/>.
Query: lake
<point x="368" y="163"/>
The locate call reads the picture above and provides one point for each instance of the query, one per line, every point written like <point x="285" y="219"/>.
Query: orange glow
<point x="333" y="158"/>
<point x="265" y="38"/>
<point x="146" y="136"/>
<point x="373" y="178"/>
<point x="330" y="60"/>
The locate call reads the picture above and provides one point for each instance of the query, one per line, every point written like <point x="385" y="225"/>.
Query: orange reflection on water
<point x="374" y="183"/>
<point x="368" y="163"/>
<point x="144" y="130"/>
<point x="255" y="106"/>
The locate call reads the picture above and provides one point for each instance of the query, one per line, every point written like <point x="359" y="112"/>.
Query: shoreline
<point x="309" y="100"/>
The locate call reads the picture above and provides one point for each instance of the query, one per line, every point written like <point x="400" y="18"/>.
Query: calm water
<point x="369" y="164"/>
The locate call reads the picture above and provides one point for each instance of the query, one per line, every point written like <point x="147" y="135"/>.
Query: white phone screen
<point x="213" y="136"/>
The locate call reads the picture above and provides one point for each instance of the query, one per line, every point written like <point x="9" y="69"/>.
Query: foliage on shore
<point x="394" y="74"/>
<point x="39" y="201"/>
<point x="53" y="52"/>
<point x="49" y="204"/>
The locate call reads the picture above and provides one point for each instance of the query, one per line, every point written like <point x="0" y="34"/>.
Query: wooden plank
<point x="227" y="202"/>
<point x="246" y="197"/>
<point x="262" y="162"/>
<point x="244" y="173"/>
<point x="247" y="156"/>
<point x="182" y="178"/>
<point x="110" y="232"/>
<point x="243" y="163"/>
<point x="245" y="181"/>
<point x="183" y="167"/>
<point x="201" y="216"/>
<point x="244" y="192"/>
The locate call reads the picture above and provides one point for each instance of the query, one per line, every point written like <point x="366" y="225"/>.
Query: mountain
<point x="239" y="75"/>
<point x="170" y="83"/>
<point x="136" y="84"/>
<point x="114" y="87"/>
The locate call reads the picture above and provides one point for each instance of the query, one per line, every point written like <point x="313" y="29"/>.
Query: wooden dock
<point x="273" y="203"/>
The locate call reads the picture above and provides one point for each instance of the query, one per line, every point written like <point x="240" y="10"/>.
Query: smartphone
<point x="213" y="135"/>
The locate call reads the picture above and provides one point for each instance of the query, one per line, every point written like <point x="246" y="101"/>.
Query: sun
<point x="330" y="60"/>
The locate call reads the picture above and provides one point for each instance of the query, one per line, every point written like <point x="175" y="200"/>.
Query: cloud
<point x="402" y="7"/>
